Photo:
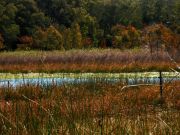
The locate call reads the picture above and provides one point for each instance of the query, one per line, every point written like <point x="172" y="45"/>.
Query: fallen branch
<point x="128" y="86"/>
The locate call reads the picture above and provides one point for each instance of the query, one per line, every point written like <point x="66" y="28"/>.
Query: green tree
<point x="130" y="13"/>
<point x="10" y="33"/>
<point x="148" y="10"/>
<point x="8" y="27"/>
<point x="60" y="11"/>
<point x="29" y="17"/>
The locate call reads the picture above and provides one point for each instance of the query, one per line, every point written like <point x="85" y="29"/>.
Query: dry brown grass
<point x="90" y="108"/>
<point x="85" y="61"/>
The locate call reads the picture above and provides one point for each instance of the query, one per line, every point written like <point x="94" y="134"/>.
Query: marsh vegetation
<point x="91" y="67"/>
<point x="93" y="60"/>
<point x="90" y="108"/>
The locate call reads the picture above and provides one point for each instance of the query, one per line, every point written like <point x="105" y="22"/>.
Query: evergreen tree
<point x="8" y="27"/>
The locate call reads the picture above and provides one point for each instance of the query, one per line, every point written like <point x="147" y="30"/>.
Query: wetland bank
<point x="89" y="103"/>
<point x="85" y="61"/>
<point x="89" y="67"/>
<point x="88" y="108"/>
<point x="81" y="92"/>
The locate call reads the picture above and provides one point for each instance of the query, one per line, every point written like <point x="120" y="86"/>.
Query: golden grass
<point x="85" y="61"/>
<point x="90" y="108"/>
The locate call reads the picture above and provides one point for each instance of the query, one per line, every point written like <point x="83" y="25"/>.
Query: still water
<point x="74" y="78"/>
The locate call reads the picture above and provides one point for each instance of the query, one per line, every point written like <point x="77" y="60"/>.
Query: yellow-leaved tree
<point x="49" y="39"/>
<point x="76" y="36"/>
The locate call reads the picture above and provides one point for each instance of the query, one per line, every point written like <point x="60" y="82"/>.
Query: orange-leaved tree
<point x="159" y="37"/>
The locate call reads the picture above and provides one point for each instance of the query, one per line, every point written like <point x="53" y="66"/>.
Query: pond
<point x="8" y="79"/>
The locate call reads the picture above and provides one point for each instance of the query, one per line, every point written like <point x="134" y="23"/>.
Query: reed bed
<point x="108" y="60"/>
<point x="90" y="108"/>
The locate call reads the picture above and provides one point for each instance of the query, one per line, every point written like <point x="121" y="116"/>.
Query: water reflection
<point x="60" y="81"/>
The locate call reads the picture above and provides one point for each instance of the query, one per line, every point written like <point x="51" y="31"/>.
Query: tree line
<point x="68" y="24"/>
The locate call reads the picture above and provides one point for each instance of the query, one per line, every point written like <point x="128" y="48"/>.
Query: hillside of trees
<point x="68" y="24"/>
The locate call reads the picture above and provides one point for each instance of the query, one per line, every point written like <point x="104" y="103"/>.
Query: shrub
<point x="87" y="42"/>
<point x="25" y="43"/>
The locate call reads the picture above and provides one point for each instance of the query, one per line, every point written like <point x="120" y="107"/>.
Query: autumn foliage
<point x="125" y="37"/>
<point x="159" y="37"/>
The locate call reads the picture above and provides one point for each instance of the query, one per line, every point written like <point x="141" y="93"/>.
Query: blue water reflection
<point x="60" y="81"/>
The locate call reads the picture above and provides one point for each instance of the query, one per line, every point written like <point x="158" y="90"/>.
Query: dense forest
<point x="67" y="24"/>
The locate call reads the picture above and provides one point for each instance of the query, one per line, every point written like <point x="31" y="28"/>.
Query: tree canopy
<point x="82" y="23"/>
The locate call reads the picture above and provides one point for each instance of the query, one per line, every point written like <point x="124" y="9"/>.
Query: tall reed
<point x="108" y="60"/>
<point x="89" y="108"/>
